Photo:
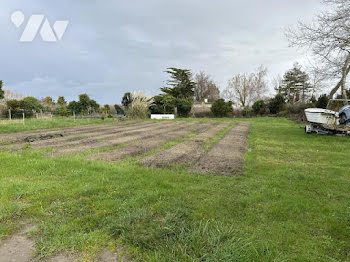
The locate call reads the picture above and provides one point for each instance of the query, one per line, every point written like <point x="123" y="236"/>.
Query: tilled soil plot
<point x="18" y="137"/>
<point x="151" y="143"/>
<point x="116" y="140"/>
<point x="92" y="136"/>
<point x="186" y="152"/>
<point x="16" y="140"/>
<point x="227" y="156"/>
<point x="83" y="137"/>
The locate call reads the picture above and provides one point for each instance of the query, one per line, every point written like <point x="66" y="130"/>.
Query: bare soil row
<point x="65" y="130"/>
<point x="150" y="143"/>
<point x="98" y="136"/>
<point x="62" y="136"/>
<point x="136" y="138"/>
<point x="115" y="140"/>
<point x="184" y="153"/>
<point x="227" y="156"/>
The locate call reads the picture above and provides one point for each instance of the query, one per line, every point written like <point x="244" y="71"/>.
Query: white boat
<point x="324" y="121"/>
<point x="324" y="117"/>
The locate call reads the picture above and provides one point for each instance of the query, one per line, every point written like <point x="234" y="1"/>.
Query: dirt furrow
<point x="227" y="156"/>
<point x="118" y="140"/>
<point x="102" y="137"/>
<point x="147" y="144"/>
<point x="15" y="140"/>
<point x="79" y="138"/>
<point x="186" y="152"/>
<point x="21" y="135"/>
<point x="73" y="135"/>
<point x="97" y="134"/>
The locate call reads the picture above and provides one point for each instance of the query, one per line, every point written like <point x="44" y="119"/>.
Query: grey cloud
<point x="112" y="47"/>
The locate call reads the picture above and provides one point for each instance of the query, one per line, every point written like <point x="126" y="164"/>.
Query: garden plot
<point x="151" y="143"/>
<point x="227" y="156"/>
<point x="78" y="137"/>
<point x="88" y="134"/>
<point x="65" y="134"/>
<point x="93" y="136"/>
<point x="187" y="152"/>
<point x="115" y="140"/>
<point x="18" y="137"/>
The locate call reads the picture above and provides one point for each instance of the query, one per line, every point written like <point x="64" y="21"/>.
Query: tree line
<point x="246" y="93"/>
<point x="326" y="39"/>
<point x="31" y="105"/>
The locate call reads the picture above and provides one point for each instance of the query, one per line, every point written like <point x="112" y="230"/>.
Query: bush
<point x="322" y="101"/>
<point x="106" y="109"/>
<point x="184" y="107"/>
<point x="28" y="105"/>
<point x="201" y="111"/>
<point x="163" y="104"/>
<point x="295" y="112"/>
<point x="63" y="111"/>
<point x="119" y="110"/>
<point x="276" y="104"/>
<point x="202" y="114"/>
<point x="259" y="107"/>
<point x="31" y="104"/>
<point x="293" y="109"/>
<point x="139" y="107"/>
<point x="127" y="100"/>
<point x="3" y="108"/>
<point x="247" y="112"/>
<point x="220" y="108"/>
<point x="237" y="113"/>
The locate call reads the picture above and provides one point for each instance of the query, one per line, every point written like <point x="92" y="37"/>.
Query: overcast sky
<point x="114" y="46"/>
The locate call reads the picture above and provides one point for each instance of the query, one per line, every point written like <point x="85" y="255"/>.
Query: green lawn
<point x="293" y="204"/>
<point x="7" y="126"/>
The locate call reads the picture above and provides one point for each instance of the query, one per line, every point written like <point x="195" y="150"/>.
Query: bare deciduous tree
<point x="277" y="82"/>
<point x="259" y="82"/>
<point x="9" y="95"/>
<point x="239" y="90"/>
<point x="245" y="89"/>
<point x="317" y="81"/>
<point x="328" y="39"/>
<point x="205" y="88"/>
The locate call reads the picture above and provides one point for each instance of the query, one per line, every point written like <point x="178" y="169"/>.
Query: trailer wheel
<point x="308" y="129"/>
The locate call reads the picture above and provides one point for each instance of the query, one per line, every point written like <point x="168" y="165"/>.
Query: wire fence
<point x="10" y="115"/>
<point x="5" y="122"/>
<point x="21" y="117"/>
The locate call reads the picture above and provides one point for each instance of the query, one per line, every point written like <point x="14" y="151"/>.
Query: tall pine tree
<point x="295" y="85"/>
<point x="181" y="85"/>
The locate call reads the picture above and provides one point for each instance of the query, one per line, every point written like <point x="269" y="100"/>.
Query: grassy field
<point x="292" y="204"/>
<point x="12" y="126"/>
